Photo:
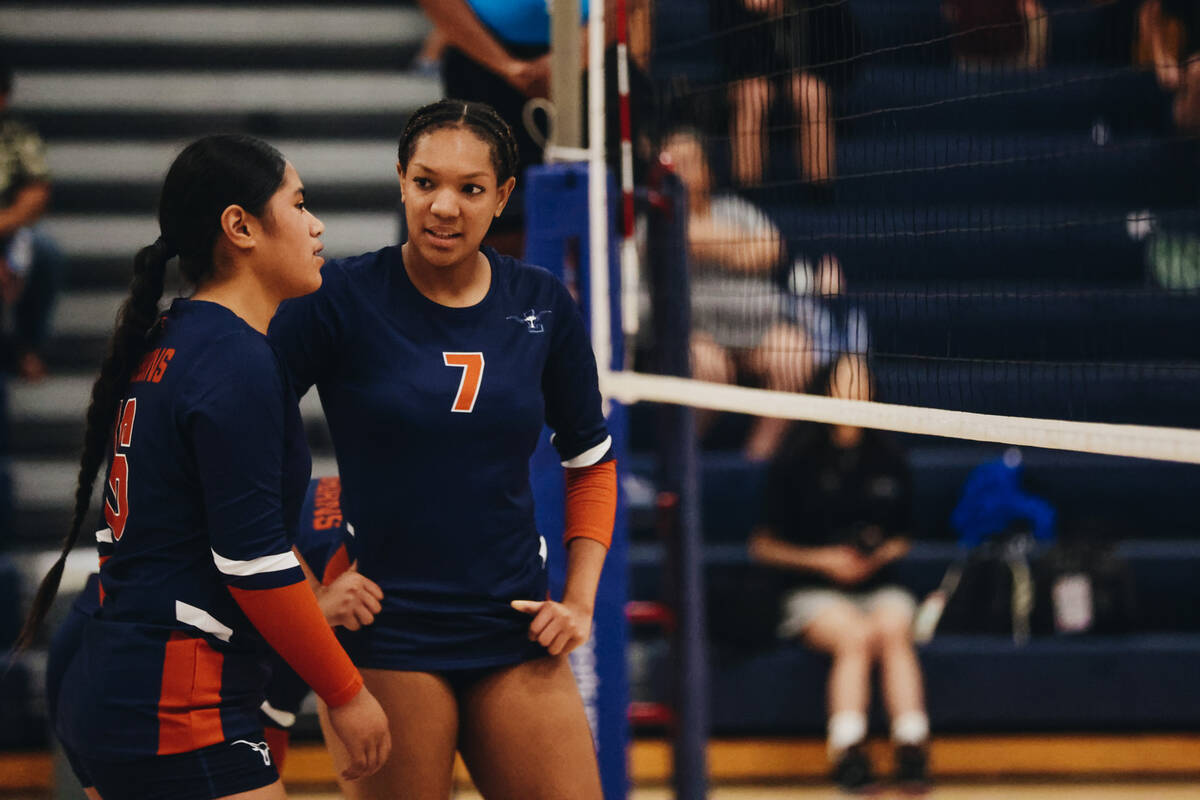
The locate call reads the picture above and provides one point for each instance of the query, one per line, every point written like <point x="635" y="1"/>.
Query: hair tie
<point x="169" y="252"/>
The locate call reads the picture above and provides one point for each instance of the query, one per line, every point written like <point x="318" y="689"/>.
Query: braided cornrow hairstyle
<point x="479" y="118"/>
<point x="210" y="175"/>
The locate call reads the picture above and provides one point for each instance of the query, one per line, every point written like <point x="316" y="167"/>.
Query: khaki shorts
<point x="802" y="606"/>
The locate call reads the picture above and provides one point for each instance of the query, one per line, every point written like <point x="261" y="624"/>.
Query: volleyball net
<point x="992" y="207"/>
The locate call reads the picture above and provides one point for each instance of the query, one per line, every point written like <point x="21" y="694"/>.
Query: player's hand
<point x="846" y="565"/>
<point x="351" y="601"/>
<point x="558" y="627"/>
<point x="363" y="728"/>
<point x="530" y="78"/>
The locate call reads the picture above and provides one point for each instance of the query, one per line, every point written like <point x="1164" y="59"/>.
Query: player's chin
<point x="443" y="252"/>
<point x="309" y="282"/>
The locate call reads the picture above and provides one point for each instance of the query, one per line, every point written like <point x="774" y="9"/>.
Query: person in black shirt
<point x="838" y="508"/>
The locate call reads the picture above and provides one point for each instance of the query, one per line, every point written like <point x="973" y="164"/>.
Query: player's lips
<point x="442" y="237"/>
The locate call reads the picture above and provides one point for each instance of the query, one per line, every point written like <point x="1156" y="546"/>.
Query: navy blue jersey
<point x="205" y="481"/>
<point x="434" y="413"/>
<point x="323" y="542"/>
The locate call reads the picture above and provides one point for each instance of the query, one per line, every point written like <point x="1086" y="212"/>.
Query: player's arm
<point x="573" y="409"/>
<point x="232" y="405"/>
<point x="591" y="509"/>
<point x="234" y="400"/>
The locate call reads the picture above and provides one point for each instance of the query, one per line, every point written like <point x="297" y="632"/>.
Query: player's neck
<point x="245" y="297"/>
<point x="457" y="286"/>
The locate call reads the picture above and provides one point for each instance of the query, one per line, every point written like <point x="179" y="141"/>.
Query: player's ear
<point x="238" y="226"/>
<point x="504" y="191"/>
<point x="400" y="173"/>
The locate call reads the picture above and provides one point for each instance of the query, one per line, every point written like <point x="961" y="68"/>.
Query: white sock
<point x="846" y="728"/>
<point x="911" y="727"/>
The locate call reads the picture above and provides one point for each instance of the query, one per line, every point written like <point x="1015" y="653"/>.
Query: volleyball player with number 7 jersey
<point x="207" y="470"/>
<point x="438" y="364"/>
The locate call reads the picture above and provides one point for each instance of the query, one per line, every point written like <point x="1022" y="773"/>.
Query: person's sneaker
<point x="852" y="771"/>
<point x="912" y="768"/>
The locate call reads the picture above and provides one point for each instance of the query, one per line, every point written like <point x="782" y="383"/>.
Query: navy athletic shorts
<point x="216" y="771"/>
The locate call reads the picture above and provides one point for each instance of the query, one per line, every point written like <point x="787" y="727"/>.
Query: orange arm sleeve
<point x="290" y="620"/>
<point x="591" y="502"/>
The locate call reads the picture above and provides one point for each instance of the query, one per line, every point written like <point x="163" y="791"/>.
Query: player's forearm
<point x="27" y="208"/>
<point x="585" y="562"/>
<point x="463" y="29"/>
<point x="591" y="503"/>
<point x="290" y="620"/>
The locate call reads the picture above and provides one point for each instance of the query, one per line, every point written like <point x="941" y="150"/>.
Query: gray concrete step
<point x="199" y="23"/>
<point x="246" y="91"/>
<point x="120" y="236"/>
<point x="329" y="163"/>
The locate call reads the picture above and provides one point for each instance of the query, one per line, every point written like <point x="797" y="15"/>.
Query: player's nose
<point x="444" y="204"/>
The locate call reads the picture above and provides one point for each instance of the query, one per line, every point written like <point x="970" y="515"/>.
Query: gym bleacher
<point x="1027" y="185"/>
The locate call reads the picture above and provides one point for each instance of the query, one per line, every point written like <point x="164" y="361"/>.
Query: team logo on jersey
<point x="259" y="747"/>
<point x="532" y="320"/>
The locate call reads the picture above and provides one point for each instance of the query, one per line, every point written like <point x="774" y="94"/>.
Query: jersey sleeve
<point x="571" y="390"/>
<point x="307" y="332"/>
<point x="234" y="413"/>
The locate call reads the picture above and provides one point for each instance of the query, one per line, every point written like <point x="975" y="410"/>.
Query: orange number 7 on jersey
<point x="468" y="387"/>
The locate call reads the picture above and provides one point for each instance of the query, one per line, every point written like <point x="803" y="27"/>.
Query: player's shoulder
<point x="525" y="281"/>
<point x="216" y="347"/>
<point x="339" y="275"/>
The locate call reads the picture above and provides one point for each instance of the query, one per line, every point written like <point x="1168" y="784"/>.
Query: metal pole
<point x="598" y="209"/>
<point x="681" y="475"/>
<point x="566" y="129"/>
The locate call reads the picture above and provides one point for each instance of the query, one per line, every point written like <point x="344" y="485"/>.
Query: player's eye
<point x="423" y="183"/>
<point x="302" y="206"/>
<point x="473" y="188"/>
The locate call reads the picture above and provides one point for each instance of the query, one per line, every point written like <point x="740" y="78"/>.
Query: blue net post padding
<point x="556" y="237"/>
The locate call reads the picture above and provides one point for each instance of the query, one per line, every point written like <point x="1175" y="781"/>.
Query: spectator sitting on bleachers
<point x="30" y="262"/>
<point x="738" y="311"/>
<point x="838" y="508"/>
<point x="834" y="324"/>
<point x="798" y="48"/>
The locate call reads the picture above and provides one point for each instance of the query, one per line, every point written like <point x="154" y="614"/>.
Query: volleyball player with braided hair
<point x="438" y="364"/>
<point x="206" y="471"/>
